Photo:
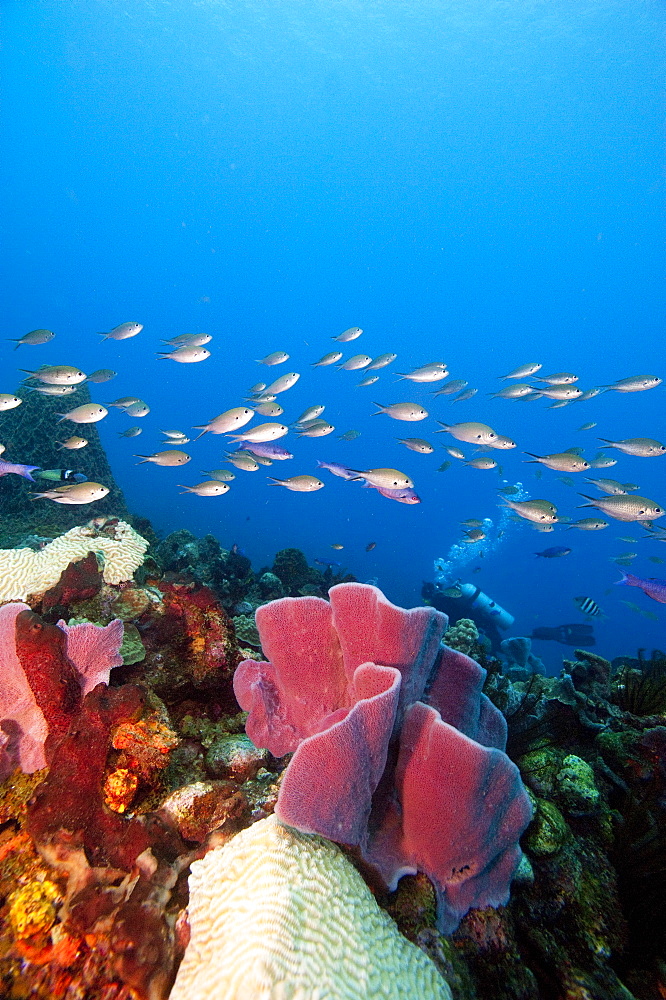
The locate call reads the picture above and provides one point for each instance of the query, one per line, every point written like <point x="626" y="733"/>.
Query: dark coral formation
<point x="182" y="557"/>
<point x="29" y="433"/>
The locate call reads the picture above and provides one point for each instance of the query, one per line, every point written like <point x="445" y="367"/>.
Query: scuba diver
<point x="465" y="600"/>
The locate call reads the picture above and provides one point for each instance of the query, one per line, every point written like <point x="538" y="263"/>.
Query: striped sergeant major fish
<point x="589" y="607"/>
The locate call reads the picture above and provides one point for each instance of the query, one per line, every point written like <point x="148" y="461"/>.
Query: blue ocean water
<point x="475" y="183"/>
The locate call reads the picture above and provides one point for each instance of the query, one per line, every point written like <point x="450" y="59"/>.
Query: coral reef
<point x="25" y="572"/>
<point x="520" y="660"/>
<point x="278" y="913"/>
<point x="204" y="561"/>
<point x="139" y="778"/>
<point x="189" y="640"/>
<point x="92" y="827"/>
<point x="30" y="433"/>
<point x="46" y="669"/>
<point x="329" y="694"/>
<point x="463" y="636"/>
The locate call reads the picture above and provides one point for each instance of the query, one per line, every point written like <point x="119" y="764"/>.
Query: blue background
<point x="477" y="183"/>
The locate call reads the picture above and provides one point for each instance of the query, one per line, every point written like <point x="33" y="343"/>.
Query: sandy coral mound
<point x="24" y="572"/>
<point x="280" y="915"/>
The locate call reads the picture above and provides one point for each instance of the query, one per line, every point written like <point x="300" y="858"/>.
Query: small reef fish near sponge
<point x="415" y="781"/>
<point x="24" y="572"/>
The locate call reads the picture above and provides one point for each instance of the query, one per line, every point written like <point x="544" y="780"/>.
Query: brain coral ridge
<point x="24" y="572"/>
<point x="280" y="915"/>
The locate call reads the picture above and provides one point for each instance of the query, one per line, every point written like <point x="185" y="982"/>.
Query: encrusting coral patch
<point x="24" y="572"/>
<point x="280" y="915"/>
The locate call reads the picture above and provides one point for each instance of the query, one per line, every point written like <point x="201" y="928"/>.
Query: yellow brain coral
<point x="24" y="572"/>
<point x="280" y="915"/>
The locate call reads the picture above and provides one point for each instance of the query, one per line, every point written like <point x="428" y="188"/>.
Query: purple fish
<point x="19" y="470"/>
<point x="656" y="589"/>
<point x="340" y="470"/>
<point x="405" y="495"/>
<point x="266" y="449"/>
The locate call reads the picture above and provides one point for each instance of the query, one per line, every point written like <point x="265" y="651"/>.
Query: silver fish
<point x="561" y="378"/>
<point x="451" y="387"/>
<point x="89" y="413"/>
<point x="637" y="383"/>
<point x="638" y="447"/>
<point x="124" y="401"/>
<point x="209" y="488"/>
<point x="54" y="390"/>
<point x="470" y="431"/>
<point x="516" y="391"/>
<point x="299" y="484"/>
<point x="243" y="460"/>
<point x="138" y="409"/>
<point x="523" y="371"/>
<point x="328" y="359"/>
<point x="387" y="479"/>
<point x="417" y="444"/>
<point x="186" y="355"/>
<point x="102" y="375"/>
<point x="561" y="392"/>
<point x="609" y="486"/>
<point x="311" y="413"/>
<point x="403" y="411"/>
<point x="588" y="524"/>
<point x="123" y="332"/>
<point x="355" y="363"/>
<point x="276" y="358"/>
<point x="222" y="475"/>
<point x="626" y="508"/>
<point x="225" y="422"/>
<point x="189" y="340"/>
<point x="33" y="339"/>
<point x="434" y="372"/>
<point x="315" y="428"/>
<point x="169" y="458"/>
<point x="73" y="443"/>
<point x="269" y="409"/>
<point x="77" y="493"/>
<point x="282" y="383"/>
<point x="57" y="375"/>
<point x="565" y="461"/>
<point x="351" y="334"/>
<point x="381" y="361"/>
<point x="262" y="432"/>
<point x="8" y="401"/>
<point x="539" y="511"/>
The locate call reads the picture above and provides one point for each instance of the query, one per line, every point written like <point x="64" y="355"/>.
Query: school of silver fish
<point x="259" y="444"/>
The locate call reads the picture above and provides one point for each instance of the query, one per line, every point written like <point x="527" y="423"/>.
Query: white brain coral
<point x="24" y="572"/>
<point x="280" y="915"/>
